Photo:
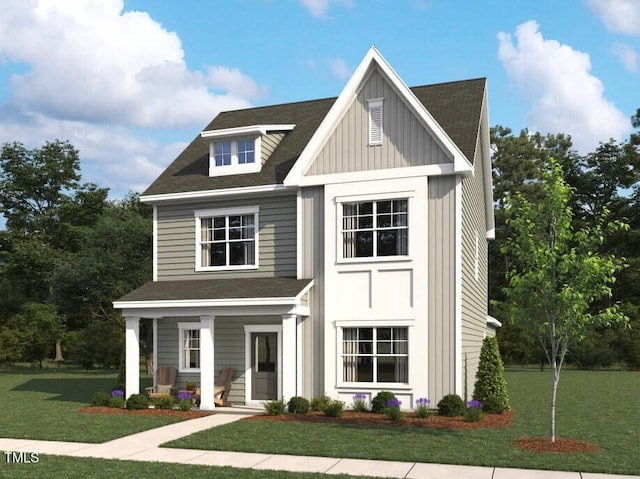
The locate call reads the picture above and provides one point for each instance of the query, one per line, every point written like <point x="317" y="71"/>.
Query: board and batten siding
<point x="474" y="291"/>
<point x="441" y="290"/>
<point x="312" y="343"/>
<point x="229" y="349"/>
<point x="405" y="142"/>
<point x="176" y="238"/>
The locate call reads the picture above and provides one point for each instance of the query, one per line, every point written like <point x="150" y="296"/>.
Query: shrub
<point x="393" y="409"/>
<point x="298" y="404"/>
<point x="185" y="401"/>
<point x="137" y="401"/>
<point x="490" y="375"/>
<point x="318" y="403"/>
<point x="334" y="408"/>
<point x="421" y="409"/>
<point x="474" y="411"/>
<point x="493" y="405"/>
<point x="274" y="408"/>
<point x="360" y="402"/>
<point x="100" y="398"/>
<point x="117" y="398"/>
<point x="379" y="403"/>
<point x="164" y="401"/>
<point x="451" y="405"/>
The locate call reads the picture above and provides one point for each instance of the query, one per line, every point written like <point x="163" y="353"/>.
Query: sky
<point x="131" y="82"/>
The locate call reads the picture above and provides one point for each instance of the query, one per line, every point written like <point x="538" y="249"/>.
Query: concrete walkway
<point x="144" y="446"/>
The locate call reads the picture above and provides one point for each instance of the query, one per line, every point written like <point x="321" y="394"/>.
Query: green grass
<point x="599" y="407"/>
<point x="81" y="468"/>
<point x="43" y="404"/>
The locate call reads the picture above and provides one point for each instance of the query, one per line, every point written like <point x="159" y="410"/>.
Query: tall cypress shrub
<point x="490" y="375"/>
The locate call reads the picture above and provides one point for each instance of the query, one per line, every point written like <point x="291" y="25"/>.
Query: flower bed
<point x="145" y="412"/>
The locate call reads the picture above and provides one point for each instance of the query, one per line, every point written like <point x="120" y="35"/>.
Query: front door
<point x="264" y="366"/>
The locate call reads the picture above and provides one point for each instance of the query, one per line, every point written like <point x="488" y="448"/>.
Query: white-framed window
<point x="375" y="120"/>
<point x="375" y="228"/>
<point x="234" y="156"/>
<point x="375" y="355"/>
<point x="189" y="346"/>
<point x="227" y="239"/>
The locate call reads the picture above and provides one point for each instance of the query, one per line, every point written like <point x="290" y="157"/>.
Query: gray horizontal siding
<point x="406" y="142"/>
<point x="176" y="237"/>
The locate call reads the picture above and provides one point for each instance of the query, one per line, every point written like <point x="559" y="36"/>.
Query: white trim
<point x="491" y="321"/>
<point x="383" y="174"/>
<point x="132" y="355"/>
<point x="344" y="101"/>
<point x="459" y="387"/>
<point x="259" y="328"/>
<point x="155" y="243"/>
<point x="299" y="232"/>
<point x="487" y="169"/>
<point x="181" y="311"/>
<point x="236" y="168"/>
<point x="247" y="210"/>
<point x="299" y="356"/>
<point x="206" y="194"/>
<point x="187" y="326"/>
<point x="155" y="351"/>
<point x="373" y="105"/>
<point x="207" y="362"/>
<point x="246" y="130"/>
<point x="196" y="303"/>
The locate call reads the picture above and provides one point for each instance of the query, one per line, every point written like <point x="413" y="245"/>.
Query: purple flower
<point x="394" y="402"/>
<point x="359" y="397"/>
<point x="184" y="396"/>
<point x="474" y="404"/>
<point x="117" y="392"/>
<point x="423" y="401"/>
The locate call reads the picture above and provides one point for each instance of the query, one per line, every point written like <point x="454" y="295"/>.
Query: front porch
<point x="202" y="326"/>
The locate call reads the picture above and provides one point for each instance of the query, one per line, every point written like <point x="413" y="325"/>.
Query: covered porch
<point x="267" y="312"/>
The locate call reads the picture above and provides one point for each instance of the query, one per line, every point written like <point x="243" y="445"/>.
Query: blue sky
<point x="131" y="82"/>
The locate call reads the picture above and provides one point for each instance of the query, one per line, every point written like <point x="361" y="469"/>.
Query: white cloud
<point x="339" y="68"/>
<point x="565" y="96"/>
<point x="621" y="16"/>
<point x="320" y="8"/>
<point x="627" y="55"/>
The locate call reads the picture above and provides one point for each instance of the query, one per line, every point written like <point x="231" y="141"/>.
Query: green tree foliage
<point x="557" y="271"/>
<point x="490" y="375"/>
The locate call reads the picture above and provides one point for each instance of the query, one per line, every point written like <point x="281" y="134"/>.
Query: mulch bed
<point x="371" y="419"/>
<point x="544" y="444"/>
<point x="145" y="412"/>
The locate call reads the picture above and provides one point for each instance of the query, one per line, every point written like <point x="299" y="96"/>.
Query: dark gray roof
<point x="456" y="106"/>
<point x="218" y="289"/>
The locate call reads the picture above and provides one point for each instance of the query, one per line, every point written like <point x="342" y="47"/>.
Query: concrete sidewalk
<point x="144" y="446"/>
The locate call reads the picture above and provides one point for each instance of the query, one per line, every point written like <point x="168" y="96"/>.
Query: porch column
<point x="207" y="366"/>
<point x="132" y="356"/>
<point x="289" y="356"/>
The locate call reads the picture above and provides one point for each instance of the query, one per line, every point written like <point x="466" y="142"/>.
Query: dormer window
<point x="239" y="150"/>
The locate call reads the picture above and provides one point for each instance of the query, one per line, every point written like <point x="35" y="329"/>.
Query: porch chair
<point x="165" y="382"/>
<point x="222" y="387"/>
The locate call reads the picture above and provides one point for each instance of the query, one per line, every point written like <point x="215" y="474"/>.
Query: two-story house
<point x="332" y="246"/>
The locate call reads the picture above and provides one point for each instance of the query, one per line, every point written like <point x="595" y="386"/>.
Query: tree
<point x="557" y="271"/>
<point x="490" y="375"/>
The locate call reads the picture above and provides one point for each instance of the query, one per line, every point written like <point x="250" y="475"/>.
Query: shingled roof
<point x="456" y="106"/>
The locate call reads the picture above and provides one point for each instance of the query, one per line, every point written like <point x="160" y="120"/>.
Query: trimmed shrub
<point x="451" y="405"/>
<point x="137" y="401"/>
<point x="490" y="375"/>
<point x="493" y="405"/>
<point x="274" y="408"/>
<point x="163" y="402"/>
<point x="100" y="398"/>
<point x="318" y="403"/>
<point x="379" y="402"/>
<point x="393" y="409"/>
<point x="298" y="404"/>
<point x="334" y="408"/>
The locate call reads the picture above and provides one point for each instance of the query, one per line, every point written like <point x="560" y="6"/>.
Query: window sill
<point x="381" y="386"/>
<point x="375" y="259"/>
<point x="193" y="370"/>
<point x="226" y="268"/>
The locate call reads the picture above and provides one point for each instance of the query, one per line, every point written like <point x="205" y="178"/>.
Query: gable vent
<point x="375" y="121"/>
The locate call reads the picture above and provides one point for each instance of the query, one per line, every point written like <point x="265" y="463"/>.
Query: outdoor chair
<point x="222" y="387"/>
<point x="165" y="382"/>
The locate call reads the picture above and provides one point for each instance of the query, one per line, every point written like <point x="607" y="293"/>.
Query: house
<point x="334" y="246"/>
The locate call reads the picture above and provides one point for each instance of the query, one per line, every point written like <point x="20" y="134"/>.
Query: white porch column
<point x="132" y="356"/>
<point x="289" y="356"/>
<point x="207" y="366"/>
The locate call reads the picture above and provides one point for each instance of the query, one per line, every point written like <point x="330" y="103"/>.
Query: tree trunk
<point x="59" y="351"/>
<point x="149" y="363"/>
<point x="554" y="389"/>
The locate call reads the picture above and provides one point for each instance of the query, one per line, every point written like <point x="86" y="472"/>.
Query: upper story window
<point x="375" y="228"/>
<point x="375" y="121"/>
<point x="226" y="239"/>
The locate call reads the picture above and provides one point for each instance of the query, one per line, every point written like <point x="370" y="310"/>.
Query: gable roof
<point x="454" y="109"/>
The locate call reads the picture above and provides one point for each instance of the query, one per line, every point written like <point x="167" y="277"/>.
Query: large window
<point x="227" y="240"/>
<point x="375" y="355"/>
<point x="375" y="228"/>
<point x="189" y="346"/>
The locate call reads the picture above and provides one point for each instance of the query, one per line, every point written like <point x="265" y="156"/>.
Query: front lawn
<point x="599" y="407"/>
<point x="43" y="404"/>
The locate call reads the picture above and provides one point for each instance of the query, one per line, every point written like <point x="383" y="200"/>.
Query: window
<point x="222" y="153"/>
<point x="375" y="228"/>
<point x="375" y="121"/>
<point x="189" y="345"/>
<point x="246" y="151"/>
<point x="375" y="355"/>
<point x="230" y="157"/>
<point x="226" y="239"/>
